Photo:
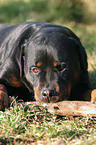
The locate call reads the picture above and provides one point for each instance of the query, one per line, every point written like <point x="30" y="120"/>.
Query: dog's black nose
<point x="49" y="93"/>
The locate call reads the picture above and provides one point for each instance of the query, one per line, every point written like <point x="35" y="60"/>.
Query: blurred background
<point x="16" y="11"/>
<point x="78" y="15"/>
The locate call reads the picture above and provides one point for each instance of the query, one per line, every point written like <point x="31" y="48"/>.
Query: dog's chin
<point x="52" y="99"/>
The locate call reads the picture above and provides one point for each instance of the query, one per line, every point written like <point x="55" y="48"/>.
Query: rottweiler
<point x="43" y="62"/>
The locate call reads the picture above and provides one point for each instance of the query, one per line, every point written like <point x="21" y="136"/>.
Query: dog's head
<point x="51" y="66"/>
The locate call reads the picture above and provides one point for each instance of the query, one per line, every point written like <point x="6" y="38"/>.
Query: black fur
<point x="42" y="61"/>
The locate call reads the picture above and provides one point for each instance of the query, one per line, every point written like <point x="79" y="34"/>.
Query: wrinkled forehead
<point x="42" y="53"/>
<point x="48" y="47"/>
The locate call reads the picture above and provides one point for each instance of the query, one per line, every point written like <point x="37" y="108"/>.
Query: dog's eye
<point x="34" y="70"/>
<point x="62" y="67"/>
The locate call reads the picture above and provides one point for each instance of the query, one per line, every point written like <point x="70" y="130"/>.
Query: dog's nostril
<point x="52" y="93"/>
<point x="45" y="93"/>
<point x="49" y="93"/>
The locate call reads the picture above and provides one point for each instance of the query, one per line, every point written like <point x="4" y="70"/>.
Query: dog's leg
<point x="4" y="99"/>
<point x="93" y="96"/>
<point x="90" y="95"/>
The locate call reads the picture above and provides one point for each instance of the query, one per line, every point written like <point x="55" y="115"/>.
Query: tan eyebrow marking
<point x="55" y="63"/>
<point x="39" y="64"/>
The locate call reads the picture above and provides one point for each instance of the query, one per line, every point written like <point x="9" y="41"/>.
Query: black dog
<point x="43" y="58"/>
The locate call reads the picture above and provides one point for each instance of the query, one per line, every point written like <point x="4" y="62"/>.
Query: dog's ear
<point x="22" y="66"/>
<point x="79" y="48"/>
<point x="22" y="45"/>
<point x="22" y="63"/>
<point x="81" y="54"/>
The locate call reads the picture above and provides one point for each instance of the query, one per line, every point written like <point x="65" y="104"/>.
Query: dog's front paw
<point x="4" y="99"/>
<point x="93" y="96"/>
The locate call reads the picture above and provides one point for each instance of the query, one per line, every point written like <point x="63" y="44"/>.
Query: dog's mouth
<point x="51" y="95"/>
<point x="46" y="95"/>
<point x="52" y="99"/>
<point x="48" y="99"/>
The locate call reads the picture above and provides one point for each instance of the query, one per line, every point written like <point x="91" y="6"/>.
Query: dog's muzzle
<point x="49" y="95"/>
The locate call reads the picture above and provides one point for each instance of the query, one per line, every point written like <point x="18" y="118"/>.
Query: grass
<point x="18" y="126"/>
<point x="13" y="12"/>
<point x="39" y="126"/>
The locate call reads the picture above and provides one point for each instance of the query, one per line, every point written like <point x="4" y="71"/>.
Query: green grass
<point x="16" y="11"/>
<point x="40" y="127"/>
<point x="20" y="11"/>
<point x="34" y="126"/>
